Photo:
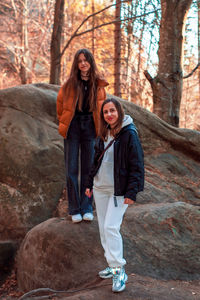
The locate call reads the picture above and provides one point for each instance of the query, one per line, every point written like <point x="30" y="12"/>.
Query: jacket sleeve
<point x="96" y="164"/>
<point x="135" y="165"/>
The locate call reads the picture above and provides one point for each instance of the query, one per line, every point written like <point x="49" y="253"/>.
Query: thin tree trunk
<point x="117" y="55"/>
<point x="56" y="43"/>
<point x="24" y="42"/>
<point x="129" y="57"/>
<point x="93" y="24"/>
<point x="198" y="4"/>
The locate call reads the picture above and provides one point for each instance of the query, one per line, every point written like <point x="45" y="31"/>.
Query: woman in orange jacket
<point x="78" y="110"/>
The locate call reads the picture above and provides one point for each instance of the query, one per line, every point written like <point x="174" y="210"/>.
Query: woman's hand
<point x="128" y="201"/>
<point x="88" y="193"/>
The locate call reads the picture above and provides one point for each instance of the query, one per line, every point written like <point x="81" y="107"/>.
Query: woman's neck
<point x="84" y="76"/>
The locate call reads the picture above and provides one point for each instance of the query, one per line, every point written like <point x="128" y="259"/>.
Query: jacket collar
<point x="102" y="82"/>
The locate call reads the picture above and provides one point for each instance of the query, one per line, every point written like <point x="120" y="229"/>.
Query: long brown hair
<point x="76" y="84"/>
<point x="104" y="127"/>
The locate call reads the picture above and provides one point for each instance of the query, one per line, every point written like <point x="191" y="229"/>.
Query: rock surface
<point x="59" y="254"/>
<point x="32" y="179"/>
<point x="162" y="241"/>
<point x="31" y="158"/>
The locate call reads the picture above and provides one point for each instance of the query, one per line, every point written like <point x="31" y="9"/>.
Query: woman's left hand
<point x="88" y="193"/>
<point x="128" y="201"/>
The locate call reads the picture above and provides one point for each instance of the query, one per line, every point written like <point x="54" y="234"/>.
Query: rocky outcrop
<point x="31" y="158"/>
<point x="59" y="254"/>
<point x="162" y="241"/>
<point x="32" y="178"/>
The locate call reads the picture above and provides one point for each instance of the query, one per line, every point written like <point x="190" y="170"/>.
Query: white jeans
<point x="110" y="218"/>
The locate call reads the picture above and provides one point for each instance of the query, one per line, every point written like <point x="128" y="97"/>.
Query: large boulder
<point x="32" y="172"/>
<point x="31" y="158"/>
<point x="160" y="240"/>
<point x="163" y="240"/>
<point x="59" y="254"/>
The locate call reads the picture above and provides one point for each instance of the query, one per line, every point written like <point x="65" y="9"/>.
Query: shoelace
<point x="116" y="274"/>
<point x="115" y="278"/>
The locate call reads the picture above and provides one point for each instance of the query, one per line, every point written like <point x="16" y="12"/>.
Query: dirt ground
<point x="137" y="288"/>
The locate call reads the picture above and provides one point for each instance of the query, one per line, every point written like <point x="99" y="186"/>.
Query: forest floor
<point x="137" y="288"/>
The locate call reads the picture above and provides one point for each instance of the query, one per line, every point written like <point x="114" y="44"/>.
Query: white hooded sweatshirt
<point x="104" y="179"/>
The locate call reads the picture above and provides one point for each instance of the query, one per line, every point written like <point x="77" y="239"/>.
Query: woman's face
<point x="83" y="64"/>
<point x="110" y="114"/>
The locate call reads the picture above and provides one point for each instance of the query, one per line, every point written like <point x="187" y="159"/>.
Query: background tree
<point x="189" y="114"/>
<point x="56" y="42"/>
<point x="24" y="41"/>
<point x="167" y="85"/>
<point x="91" y="24"/>
<point x="117" y="47"/>
<point x="198" y="6"/>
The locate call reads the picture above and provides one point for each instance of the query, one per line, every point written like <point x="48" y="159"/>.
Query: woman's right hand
<point x="88" y="193"/>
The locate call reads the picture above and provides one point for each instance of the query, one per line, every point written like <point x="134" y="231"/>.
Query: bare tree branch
<point x="190" y="74"/>
<point x="75" y="34"/>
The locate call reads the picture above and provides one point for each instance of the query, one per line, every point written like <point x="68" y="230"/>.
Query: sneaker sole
<point x="120" y="290"/>
<point x="76" y="221"/>
<point x="89" y="220"/>
<point x="106" y="276"/>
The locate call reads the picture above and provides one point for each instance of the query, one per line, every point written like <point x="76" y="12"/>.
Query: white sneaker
<point x="76" y="218"/>
<point x="119" y="279"/>
<point x="88" y="216"/>
<point x="106" y="273"/>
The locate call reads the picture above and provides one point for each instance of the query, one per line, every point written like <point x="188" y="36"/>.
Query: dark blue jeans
<point x="81" y="135"/>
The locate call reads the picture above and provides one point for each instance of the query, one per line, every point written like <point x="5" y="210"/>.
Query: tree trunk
<point x="198" y="5"/>
<point x="55" y="68"/>
<point x="167" y="85"/>
<point x="117" y="55"/>
<point x="24" y="42"/>
<point x="93" y="24"/>
<point x="129" y="56"/>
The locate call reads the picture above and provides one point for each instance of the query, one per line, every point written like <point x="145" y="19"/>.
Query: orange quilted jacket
<point x="66" y="107"/>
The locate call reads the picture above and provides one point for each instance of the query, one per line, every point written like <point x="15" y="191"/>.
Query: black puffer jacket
<point x="128" y="163"/>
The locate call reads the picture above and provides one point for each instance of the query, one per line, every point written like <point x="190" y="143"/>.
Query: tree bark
<point x="24" y="42"/>
<point x="167" y="85"/>
<point x="56" y="43"/>
<point x="117" y="55"/>
<point x="198" y="5"/>
<point x="93" y="24"/>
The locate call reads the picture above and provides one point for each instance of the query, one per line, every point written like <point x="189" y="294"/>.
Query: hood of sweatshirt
<point x="127" y="121"/>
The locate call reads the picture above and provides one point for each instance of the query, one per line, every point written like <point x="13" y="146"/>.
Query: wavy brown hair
<point x="104" y="127"/>
<point x="76" y="83"/>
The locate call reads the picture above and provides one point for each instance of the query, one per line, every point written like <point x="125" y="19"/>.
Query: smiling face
<point x="83" y="64"/>
<point x="110" y="114"/>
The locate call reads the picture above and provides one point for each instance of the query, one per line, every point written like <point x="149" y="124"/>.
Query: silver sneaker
<point x="106" y="273"/>
<point x="119" y="279"/>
